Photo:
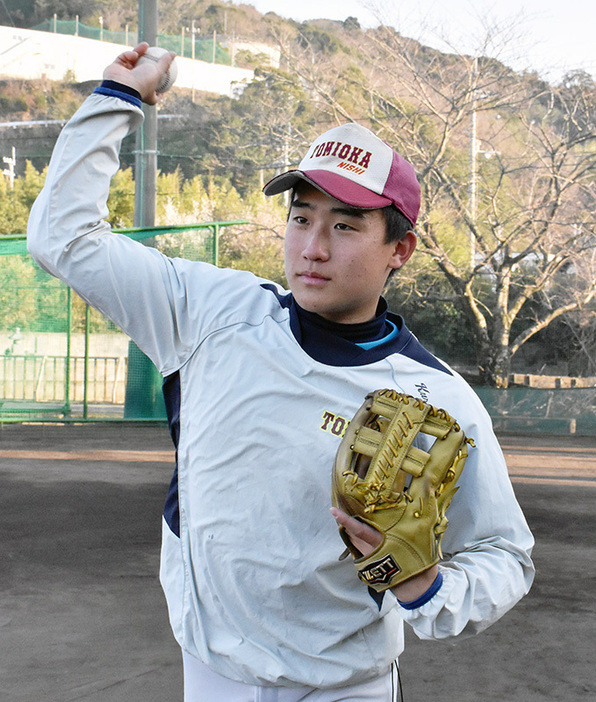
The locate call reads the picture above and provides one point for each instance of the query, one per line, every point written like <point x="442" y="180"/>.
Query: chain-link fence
<point x="61" y="360"/>
<point x="203" y="49"/>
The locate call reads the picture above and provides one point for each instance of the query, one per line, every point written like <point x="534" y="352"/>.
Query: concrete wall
<point x="30" y="55"/>
<point x="54" y="344"/>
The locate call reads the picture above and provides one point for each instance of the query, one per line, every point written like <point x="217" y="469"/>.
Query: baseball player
<point x="260" y="383"/>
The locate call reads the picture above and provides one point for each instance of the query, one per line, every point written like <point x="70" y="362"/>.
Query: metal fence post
<point x="86" y="366"/>
<point x="66" y="408"/>
<point x="216" y="245"/>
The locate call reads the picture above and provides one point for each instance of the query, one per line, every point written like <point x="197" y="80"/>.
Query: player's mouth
<point x="312" y="278"/>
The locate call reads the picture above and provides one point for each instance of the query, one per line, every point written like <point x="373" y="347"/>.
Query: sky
<point x="550" y="37"/>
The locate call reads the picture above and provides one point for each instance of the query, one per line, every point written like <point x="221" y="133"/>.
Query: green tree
<point x="121" y="202"/>
<point x="16" y="202"/>
<point x="18" y="292"/>
<point x="256" y="246"/>
<point x="265" y="130"/>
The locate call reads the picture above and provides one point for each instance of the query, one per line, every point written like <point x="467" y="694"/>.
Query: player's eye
<point x="342" y="226"/>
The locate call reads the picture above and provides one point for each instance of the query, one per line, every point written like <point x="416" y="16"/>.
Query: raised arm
<point x="68" y="235"/>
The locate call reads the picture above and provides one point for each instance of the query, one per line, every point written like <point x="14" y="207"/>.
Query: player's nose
<point x="316" y="245"/>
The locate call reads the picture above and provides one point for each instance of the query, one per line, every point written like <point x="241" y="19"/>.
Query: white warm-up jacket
<point x="250" y="552"/>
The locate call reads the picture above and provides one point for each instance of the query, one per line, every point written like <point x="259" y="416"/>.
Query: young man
<point x="260" y="383"/>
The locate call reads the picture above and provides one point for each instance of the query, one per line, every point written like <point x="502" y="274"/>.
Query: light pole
<point x="143" y="382"/>
<point x="11" y="162"/>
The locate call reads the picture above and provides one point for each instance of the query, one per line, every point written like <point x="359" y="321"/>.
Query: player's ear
<point x="402" y="250"/>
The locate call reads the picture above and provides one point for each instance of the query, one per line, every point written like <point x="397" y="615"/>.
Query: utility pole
<point x="473" y="175"/>
<point x="193" y="30"/>
<point x="146" y="140"/>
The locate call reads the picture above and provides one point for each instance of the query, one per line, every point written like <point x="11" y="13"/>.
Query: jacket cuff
<point x="426" y="596"/>
<point x="124" y="92"/>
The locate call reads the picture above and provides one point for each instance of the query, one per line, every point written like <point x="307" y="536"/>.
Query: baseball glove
<point x="380" y="478"/>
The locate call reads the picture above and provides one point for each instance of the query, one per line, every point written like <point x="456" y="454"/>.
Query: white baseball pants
<point x="203" y="685"/>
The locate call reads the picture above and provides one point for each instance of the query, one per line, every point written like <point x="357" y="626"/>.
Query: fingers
<point x="348" y="523"/>
<point x="364" y="537"/>
<point x="130" y="57"/>
<point x="142" y="77"/>
<point x="166" y="61"/>
<point x="141" y="48"/>
<point x="358" y="530"/>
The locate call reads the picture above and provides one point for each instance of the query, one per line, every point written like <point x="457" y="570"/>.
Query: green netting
<point x="60" y="360"/>
<point x="204" y="50"/>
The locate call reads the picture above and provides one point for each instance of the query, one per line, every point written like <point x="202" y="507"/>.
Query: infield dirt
<point x="82" y="616"/>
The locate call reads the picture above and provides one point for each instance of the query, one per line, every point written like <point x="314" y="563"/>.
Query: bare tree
<point x="507" y="166"/>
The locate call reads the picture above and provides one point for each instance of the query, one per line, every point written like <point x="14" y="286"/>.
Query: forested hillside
<point x="506" y="270"/>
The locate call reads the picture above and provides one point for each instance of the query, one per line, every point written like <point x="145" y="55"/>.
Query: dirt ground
<point x="82" y="616"/>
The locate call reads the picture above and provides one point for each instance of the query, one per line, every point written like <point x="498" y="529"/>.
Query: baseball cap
<point x="354" y="166"/>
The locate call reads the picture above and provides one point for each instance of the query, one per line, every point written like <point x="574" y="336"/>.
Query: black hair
<point x="397" y="225"/>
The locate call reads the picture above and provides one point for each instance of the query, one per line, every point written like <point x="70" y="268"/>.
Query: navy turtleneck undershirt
<point x="353" y="344"/>
<point x="367" y="335"/>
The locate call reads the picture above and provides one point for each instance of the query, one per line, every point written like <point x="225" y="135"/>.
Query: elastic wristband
<point x="124" y="92"/>
<point x="426" y="596"/>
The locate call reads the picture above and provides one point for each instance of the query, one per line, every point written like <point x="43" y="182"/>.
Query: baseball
<point x="154" y="53"/>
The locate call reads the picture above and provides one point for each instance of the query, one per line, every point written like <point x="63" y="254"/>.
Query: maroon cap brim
<point x="332" y="184"/>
